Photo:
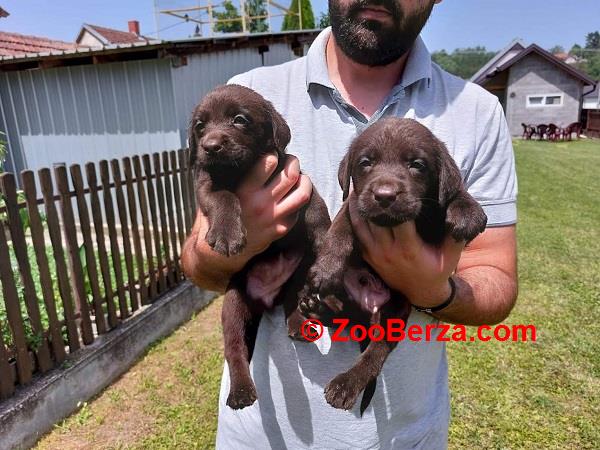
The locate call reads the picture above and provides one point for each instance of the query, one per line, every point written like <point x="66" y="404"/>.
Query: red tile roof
<point x="19" y="44"/>
<point x="117" y="36"/>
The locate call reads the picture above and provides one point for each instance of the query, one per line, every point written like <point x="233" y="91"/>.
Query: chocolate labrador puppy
<point x="400" y="172"/>
<point x="229" y="131"/>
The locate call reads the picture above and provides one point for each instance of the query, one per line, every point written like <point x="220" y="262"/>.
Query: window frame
<point x="544" y="97"/>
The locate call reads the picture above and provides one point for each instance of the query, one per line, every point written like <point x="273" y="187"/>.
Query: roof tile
<point x="12" y="44"/>
<point x="117" y="36"/>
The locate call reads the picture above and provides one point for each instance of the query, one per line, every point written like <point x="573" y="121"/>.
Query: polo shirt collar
<point x="418" y="67"/>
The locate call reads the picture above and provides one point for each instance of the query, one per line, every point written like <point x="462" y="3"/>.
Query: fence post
<point x="183" y="177"/>
<point x="155" y="229"/>
<point x="181" y="233"/>
<point x="13" y="312"/>
<point x="170" y="215"/>
<point x="112" y="234"/>
<point x="135" y="231"/>
<point x="90" y="255"/>
<point x="116" y="171"/>
<point x="7" y="383"/>
<point x="90" y="172"/>
<point x="39" y="245"/>
<point x="9" y="189"/>
<point x="70" y="232"/>
<point x="152" y="279"/>
<point x="160" y="195"/>
<point x="59" y="257"/>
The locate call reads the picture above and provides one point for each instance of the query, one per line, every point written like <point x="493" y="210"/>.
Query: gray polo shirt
<point x="410" y="408"/>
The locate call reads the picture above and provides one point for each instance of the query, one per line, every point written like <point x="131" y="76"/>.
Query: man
<point x="371" y="64"/>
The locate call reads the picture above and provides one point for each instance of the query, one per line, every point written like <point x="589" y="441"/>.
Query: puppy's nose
<point x="385" y="195"/>
<point x="212" y="146"/>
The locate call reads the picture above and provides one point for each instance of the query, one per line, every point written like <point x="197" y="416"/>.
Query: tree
<point x="291" y="20"/>
<point x="256" y="8"/>
<point x="324" y="20"/>
<point x="463" y="62"/>
<point x="576" y="50"/>
<point x="557" y="49"/>
<point x="231" y="12"/>
<point x="592" y="66"/>
<point x="592" y="40"/>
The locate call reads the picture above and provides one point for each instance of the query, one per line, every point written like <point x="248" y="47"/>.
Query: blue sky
<point x="454" y="23"/>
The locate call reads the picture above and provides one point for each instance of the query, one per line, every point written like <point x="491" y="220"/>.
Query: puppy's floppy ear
<point x="280" y="129"/>
<point x="450" y="179"/>
<point x="192" y="142"/>
<point x="344" y="175"/>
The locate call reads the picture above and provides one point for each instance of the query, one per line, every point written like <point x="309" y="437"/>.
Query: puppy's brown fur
<point x="229" y="131"/>
<point x="400" y="172"/>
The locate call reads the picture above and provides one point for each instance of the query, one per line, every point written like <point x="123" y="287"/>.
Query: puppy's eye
<point x="365" y="162"/>
<point x="198" y="126"/>
<point x="417" y="164"/>
<point x="240" y="120"/>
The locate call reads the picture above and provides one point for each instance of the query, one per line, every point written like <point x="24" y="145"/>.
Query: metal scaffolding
<point x="204" y="14"/>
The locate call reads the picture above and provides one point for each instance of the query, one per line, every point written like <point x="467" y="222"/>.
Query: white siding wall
<point x="93" y="112"/>
<point x="88" y="113"/>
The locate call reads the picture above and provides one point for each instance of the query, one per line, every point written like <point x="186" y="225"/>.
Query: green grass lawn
<point x="505" y="395"/>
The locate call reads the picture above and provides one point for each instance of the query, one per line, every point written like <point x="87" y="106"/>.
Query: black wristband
<point x="443" y="305"/>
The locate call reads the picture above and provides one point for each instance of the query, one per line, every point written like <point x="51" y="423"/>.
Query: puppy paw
<point x="343" y="391"/>
<point x="241" y="396"/>
<point x="322" y="309"/>
<point x="465" y="220"/>
<point x="294" y="323"/>
<point x="227" y="240"/>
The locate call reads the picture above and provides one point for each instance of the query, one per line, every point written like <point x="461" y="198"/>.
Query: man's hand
<point x="486" y="271"/>
<point x="269" y="211"/>
<point x="407" y="264"/>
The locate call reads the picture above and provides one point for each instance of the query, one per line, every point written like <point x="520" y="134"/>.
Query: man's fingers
<point x="296" y="199"/>
<point x="451" y="252"/>
<point x="384" y="236"/>
<point x="285" y="180"/>
<point x="283" y="227"/>
<point x="260" y="173"/>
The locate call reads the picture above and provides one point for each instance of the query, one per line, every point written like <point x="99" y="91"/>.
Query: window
<point x="540" y="101"/>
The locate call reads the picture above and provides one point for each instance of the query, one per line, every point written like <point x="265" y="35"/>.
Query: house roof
<point x="15" y="44"/>
<point x="512" y="49"/>
<point x="502" y="63"/>
<point x="152" y="49"/>
<point x="111" y="36"/>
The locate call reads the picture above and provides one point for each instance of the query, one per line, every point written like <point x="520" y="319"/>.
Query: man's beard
<point x="371" y="42"/>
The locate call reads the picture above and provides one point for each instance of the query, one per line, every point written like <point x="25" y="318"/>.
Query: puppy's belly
<point x="266" y="278"/>
<point x="366" y="289"/>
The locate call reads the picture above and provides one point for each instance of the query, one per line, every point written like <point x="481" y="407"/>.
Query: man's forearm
<point x="484" y="295"/>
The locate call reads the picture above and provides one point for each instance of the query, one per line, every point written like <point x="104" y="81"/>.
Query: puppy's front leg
<point x="226" y="233"/>
<point x="240" y="326"/>
<point x="321" y="295"/>
<point x="343" y="391"/>
<point x="465" y="218"/>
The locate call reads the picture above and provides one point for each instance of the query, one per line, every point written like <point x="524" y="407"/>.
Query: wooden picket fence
<point x="86" y="254"/>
